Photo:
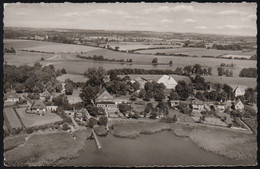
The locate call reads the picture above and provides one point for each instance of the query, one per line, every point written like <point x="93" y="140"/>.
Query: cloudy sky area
<point x="216" y="18"/>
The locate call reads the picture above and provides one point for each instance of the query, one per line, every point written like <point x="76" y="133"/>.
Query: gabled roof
<point x="38" y="104"/>
<point x="11" y="95"/>
<point x="168" y="81"/>
<point x="103" y="94"/>
<point x="46" y="93"/>
<point x="238" y="101"/>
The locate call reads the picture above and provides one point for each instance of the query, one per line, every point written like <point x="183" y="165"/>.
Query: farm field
<point x="30" y="120"/>
<point x="250" y="82"/>
<point x="74" y="77"/>
<point x="11" y="119"/>
<point x="46" y="46"/>
<point x="24" y="58"/>
<point x="143" y="61"/>
<point x="125" y="47"/>
<point x="199" y="52"/>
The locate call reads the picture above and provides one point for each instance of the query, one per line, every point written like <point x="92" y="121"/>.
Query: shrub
<point x="65" y="126"/>
<point x="29" y="130"/>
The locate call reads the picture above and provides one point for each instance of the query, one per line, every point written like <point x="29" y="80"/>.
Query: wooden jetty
<point x="99" y="146"/>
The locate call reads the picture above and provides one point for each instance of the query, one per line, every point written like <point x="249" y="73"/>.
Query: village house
<point x="11" y="97"/>
<point x="52" y="108"/>
<point x="168" y="81"/>
<point x="44" y="95"/>
<point x="220" y="106"/>
<point x="106" y="101"/>
<point x="38" y="107"/>
<point x="174" y="103"/>
<point x="239" y="105"/>
<point x="197" y="105"/>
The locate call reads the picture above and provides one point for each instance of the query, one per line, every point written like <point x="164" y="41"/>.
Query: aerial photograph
<point x="130" y="84"/>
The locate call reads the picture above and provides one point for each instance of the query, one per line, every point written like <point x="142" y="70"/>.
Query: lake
<point x="159" y="149"/>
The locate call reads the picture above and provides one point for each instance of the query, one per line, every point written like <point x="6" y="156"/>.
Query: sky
<point x="210" y="18"/>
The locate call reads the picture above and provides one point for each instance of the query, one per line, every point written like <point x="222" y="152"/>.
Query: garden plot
<point x="30" y="120"/>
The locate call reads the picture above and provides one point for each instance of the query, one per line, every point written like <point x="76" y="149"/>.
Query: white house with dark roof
<point x="239" y="105"/>
<point x="168" y="81"/>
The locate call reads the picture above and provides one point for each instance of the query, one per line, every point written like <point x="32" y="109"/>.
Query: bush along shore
<point x="43" y="149"/>
<point x="228" y="143"/>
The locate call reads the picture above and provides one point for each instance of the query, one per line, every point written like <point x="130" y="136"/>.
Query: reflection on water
<point x="163" y="148"/>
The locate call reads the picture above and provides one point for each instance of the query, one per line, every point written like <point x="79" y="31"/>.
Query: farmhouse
<point x="106" y="101"/>
<point x="239" y="105"/>
<point x="38" y="107"/>
<point x="11" y="97"/>
<point x="45" y="95"/>
<point x="168" y="81"/>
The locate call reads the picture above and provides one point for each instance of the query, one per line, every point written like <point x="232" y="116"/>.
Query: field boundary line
<point x="17" y="114"/>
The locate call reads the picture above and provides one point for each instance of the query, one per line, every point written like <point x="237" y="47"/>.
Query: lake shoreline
<point x="205" y="138"/>
<point x="197" y="135"/>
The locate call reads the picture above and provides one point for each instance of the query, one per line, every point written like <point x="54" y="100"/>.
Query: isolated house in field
<point x="239" y="105"/>
<point x="38" y="107"/>
<point x="11" y="97"/>
<point x="168" y="81"/>
<point x="239" y="90"/>
<point x="106" y="101"/>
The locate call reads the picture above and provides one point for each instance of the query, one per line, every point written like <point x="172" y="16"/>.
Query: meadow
<point x="74" y="77"/>
<point x="46" y="46"/>
<point x="30" y="120"/>
<point x="199" y="52"/>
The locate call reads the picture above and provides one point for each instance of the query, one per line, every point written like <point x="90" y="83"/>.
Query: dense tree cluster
<point x="248" y="72"/>
<point x="184" y="90"/>
<point x="101" y="58"/>
<point x="195" y="69"/>
<point x="30" y="79"/>
<point x="227" y="47"/>
<point x="226" y="72"/>
<point x="11" y="50"/>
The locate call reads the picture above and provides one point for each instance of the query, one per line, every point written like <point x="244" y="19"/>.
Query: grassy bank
<point x="133" y="130"/>
<point x="47" y="149"/>
<point x="14" y="141"/>
<point x="228" y="143"/>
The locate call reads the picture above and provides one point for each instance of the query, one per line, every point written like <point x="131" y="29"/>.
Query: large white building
<point x="168" y="81"/>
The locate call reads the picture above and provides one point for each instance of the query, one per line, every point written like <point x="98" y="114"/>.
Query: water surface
<point x="159" y="149"/>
